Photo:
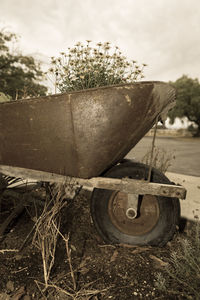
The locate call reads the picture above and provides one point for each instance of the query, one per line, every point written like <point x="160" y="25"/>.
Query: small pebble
<point x="4" y="296"/>
<point x="10" y="286"/>
<point x="18" y="257"/>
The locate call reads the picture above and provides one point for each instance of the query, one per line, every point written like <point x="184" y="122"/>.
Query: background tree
<point x="19" y="75"/>
<point x="188" y="101"/>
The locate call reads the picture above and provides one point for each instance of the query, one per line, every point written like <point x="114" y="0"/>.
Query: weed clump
<point x="161" y="159"/>
<point x="182" y="275"/>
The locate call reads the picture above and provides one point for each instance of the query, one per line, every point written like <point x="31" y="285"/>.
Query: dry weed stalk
<point x="84" y="292"/>
<point x="68" y="251"/>
<point x="46" y="229"/>
<point x="161" y="159"/>
<point x="70" y="261"/>
<point x="74" y="293"/>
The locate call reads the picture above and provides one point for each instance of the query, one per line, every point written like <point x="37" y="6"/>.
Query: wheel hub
<point x="129" y="220"/>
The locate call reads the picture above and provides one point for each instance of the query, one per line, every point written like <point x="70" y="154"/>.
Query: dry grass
<point x="161" y="159"/>
<point x="182" y="275"/>
<point x="47" y="232"/>
<point x="74" y="292"/>
<point x="46" y="229"/>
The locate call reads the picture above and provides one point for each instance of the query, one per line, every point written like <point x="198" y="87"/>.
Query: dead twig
<point x="78" y="295"/>
<point x="70" y="261"/>
<point x="18" y="271"/>
<point x="8" y="250"/>
<point x="66" y="240"/>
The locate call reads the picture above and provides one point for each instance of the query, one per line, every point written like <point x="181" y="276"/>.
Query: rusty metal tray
<point x="80" y="134"/>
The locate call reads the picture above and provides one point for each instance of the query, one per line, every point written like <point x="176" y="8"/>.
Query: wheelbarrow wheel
<point x="157" y="216"/>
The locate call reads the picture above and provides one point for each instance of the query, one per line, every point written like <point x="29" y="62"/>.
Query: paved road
<point x="185" y="150"/>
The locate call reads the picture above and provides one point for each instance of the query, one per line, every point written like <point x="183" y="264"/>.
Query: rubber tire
<point x="169" y="209"/>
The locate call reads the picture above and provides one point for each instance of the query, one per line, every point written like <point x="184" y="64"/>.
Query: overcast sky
<point x="165" y="34"/>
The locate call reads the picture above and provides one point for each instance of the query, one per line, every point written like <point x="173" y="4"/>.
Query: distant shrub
<point x="84" y="66"/>
<point x="192" y="129"/>
<point x="4" y="98"/>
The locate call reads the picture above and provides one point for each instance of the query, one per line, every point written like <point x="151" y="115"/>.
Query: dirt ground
<point x="100" y="271"/>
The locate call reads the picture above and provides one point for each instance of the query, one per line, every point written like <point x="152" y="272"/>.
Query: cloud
<point x="163" y="34"/>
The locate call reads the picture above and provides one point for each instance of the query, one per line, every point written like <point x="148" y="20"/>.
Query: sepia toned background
<point x="163" y="34"/>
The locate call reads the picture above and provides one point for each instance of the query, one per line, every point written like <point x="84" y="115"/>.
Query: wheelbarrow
<point x="83" y="137"/>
